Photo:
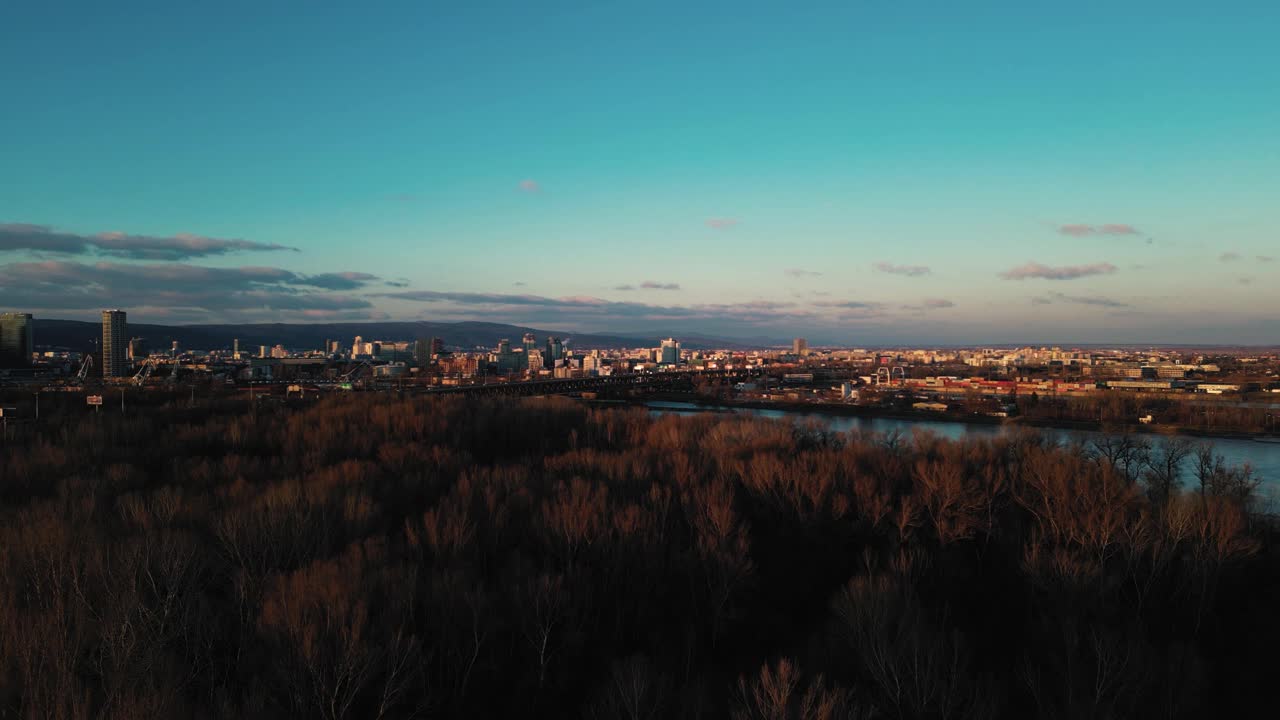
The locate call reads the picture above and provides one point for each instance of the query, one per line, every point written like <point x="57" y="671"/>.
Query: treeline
<point x="1205" y="413"/>
<point x="368" y="557"/>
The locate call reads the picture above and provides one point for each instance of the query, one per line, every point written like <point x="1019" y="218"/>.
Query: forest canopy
<point x="374" y="557"/>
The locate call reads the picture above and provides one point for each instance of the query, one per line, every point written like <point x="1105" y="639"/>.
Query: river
<point x="1263" y="457"/>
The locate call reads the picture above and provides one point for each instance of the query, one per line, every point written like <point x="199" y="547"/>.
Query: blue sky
<point x="857" y="172"/>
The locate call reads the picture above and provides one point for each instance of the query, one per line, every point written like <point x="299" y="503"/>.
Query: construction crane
<point x="144" y="372"/>
<point x="85" y="367"/>
<point x="354" y="372"/>
<point x="173" y="376"/>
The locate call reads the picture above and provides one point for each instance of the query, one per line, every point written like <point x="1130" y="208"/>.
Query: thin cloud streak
<point x="907" y="270"/>
<point x="1096" y="301"/>
<point x="198" y="291"/>
<point x="1037" y="270"/>
<point x="42" y="239"/>
<point x="592" y="309"/>
<point x="648" y="285"/>
<point x="1085" y="230"/>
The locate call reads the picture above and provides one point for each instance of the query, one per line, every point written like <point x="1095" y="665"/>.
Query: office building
<point x="262" y="351"/>
<point x="235" y="347"/>
<point x="115" y="343"/>
<point x="800" y="346"/>
<point x="669" y="352"/>
<point x="437" y="346"/>
<point x="17" y="339"/>
<point x="138" y="349"/>
<point x="505" y="358"/>
<point x="555" y="351"/>
<point x="174" y="349"/>
<point x="421" y="352"/>
<point x="530" y="346"/>
<point x="534" y="359"/>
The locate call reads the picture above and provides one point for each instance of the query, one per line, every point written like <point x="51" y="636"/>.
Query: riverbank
<point x="867" y="411"/>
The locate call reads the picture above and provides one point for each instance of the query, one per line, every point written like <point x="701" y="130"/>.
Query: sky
<point x="855" y="172"/>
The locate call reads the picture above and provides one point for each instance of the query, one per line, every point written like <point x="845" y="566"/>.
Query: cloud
<point x="1229" y="256"/>
<point x="1083" y="230"/>
<point x="1066" y="272"/>
<point x="1245" y="281"/>
<point x="344" y="280"/>
<point x="801" y="273"/>
<point x="583" y="309"/>
<point x="530" y="186"/>
<point x="1265" y="258"/>
<point x="1076" y="230"/>
<point x="908" y="270"/>
<point x="1118" y="229"/>
<point x="930" y="304"/>
<point x="188" y="289"/>
<point x="721" y="223"/>
<point x="649" y="285"/>
<point x="183" y="246"/>
<point x="519" y="283"/>
<point x="850" y="305"/>
<point x="1096" y="301"/>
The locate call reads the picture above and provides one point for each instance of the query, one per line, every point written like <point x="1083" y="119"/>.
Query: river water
<point x="1263" y="457"/>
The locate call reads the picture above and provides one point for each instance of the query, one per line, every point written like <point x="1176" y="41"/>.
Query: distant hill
<point x="79" y="335"/>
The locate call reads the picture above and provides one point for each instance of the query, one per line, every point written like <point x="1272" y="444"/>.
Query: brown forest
<point x="374" y="557"/>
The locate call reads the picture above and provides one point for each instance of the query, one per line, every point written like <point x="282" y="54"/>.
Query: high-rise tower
<point x="17" y="339"/>
<point x="115" y="343"/>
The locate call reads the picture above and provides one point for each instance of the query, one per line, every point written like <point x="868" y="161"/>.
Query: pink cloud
<point x="1118" y="229"/>
<point x="908" y="270"/>
<point x="1076" y="230"/>
<point x="1065" y="272"/>
<point x="530" y="186"/>
<point x="721" y="223"/>
<point x="1084" y="230"/>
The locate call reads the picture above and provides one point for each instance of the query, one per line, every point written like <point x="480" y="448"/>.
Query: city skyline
<point x="857" y="176"/>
